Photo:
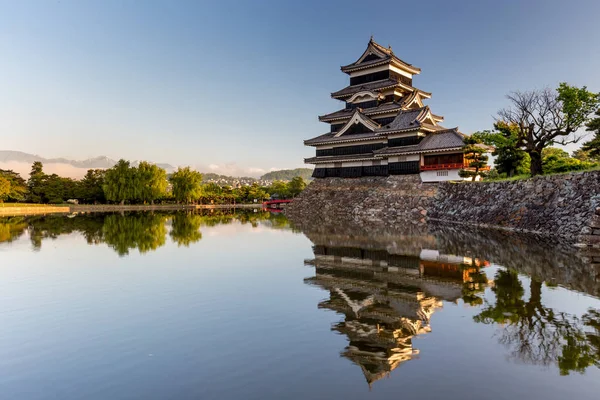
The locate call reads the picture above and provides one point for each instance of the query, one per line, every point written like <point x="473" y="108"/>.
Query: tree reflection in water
<point x="185" y="229"/>
<point x="142" y="231"/>
<point x="537" y="334"/>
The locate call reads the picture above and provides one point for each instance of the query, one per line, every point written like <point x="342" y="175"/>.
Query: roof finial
<point x="371" y="38"/>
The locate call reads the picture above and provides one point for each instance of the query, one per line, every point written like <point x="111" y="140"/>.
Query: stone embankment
<point x="564" y="206"/>
<point x="394" y="199"/>
<point x="32" y="210"/>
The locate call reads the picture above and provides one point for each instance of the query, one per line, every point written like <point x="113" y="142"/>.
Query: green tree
<point x="119" y="182"/>
<point x="35" y="182"/>
<point x="18" y="186"/>
<point x="280" y="188"/>
<point x="555" y="160"/>
<point x="4" y="188"/>
<point x="56" y="190"/>
<point x="185" y="229"/>
<point x="585" y="156"/>
<point x="509" y="158"/>
<point x="296" y="186"/>
<point x="257" y="193"/>
<point x="593" y="146"/>
<point x="546" y="117"/>
<point x="475" y="158"/>
<point x="90" y="188"/>
<point x="186" y="185"/>
<point x="152" y="182"/>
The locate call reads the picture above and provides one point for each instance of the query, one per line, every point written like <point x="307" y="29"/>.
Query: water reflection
<point x="387" y="299"/>
<point x="124" y="232"/>
<point x="537" y="334"/>
<point x="387" y="284"/>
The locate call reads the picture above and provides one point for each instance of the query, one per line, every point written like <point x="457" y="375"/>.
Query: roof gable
<point x="446" y="139"/>
<point x="356" y="119"/>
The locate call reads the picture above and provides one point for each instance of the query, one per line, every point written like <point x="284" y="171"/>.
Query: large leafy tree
<point x="296" y="186"/>
<point x="186" y="185"/>
<point x="555" y="160"/>
<point x="119" y="182"/>
<point x="475" y="157"/>
<point x="509" y="158"/>
<point x="151" y="182"/>
<point x="593" y="146"/>
<point x="546" y="117"/>
<point x="18" y="186"/>
<point x="4" y="188"/>
<point x="90" y="188"/>
<point x="281" y="189"/>
<point x="56" y="189"/>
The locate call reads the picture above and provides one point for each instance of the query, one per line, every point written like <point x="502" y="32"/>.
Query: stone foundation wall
<point x="393" y="199"/>
<point x="565" y="206"/>
<point x="558" y="205"/>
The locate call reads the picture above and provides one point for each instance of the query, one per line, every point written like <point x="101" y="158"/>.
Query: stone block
<point x="590" y="239"/>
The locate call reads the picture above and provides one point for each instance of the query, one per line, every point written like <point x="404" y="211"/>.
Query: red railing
<point x="442" y="166"/>
<point x="438" y="167"/>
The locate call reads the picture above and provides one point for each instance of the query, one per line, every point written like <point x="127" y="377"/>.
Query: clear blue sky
<point x="242" y="82"/>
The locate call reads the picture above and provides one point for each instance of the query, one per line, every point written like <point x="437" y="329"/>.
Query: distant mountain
<point x="101" y="162"/>
<point x="288" y="174"/>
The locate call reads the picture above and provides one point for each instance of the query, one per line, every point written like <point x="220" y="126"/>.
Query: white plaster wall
<point x="432" y="176"/>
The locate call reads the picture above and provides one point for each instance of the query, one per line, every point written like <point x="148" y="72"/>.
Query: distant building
<point x="385" y="129"/>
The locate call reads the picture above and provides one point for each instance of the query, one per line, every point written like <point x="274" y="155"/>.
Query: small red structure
<point x="276" y="203"/>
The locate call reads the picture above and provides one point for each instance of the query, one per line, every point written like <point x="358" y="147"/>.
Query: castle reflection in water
<point x="387" y="299"/>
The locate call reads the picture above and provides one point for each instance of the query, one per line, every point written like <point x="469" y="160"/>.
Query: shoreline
<point x="26" y="210"/>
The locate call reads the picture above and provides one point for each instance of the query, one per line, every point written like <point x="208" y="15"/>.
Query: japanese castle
<point x="385" y="129"/>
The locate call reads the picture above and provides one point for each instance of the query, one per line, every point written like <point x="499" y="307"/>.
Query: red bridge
<point x="276" y="203"/>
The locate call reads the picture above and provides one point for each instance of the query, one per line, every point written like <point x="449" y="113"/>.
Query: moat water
<point x="244" y="305"/>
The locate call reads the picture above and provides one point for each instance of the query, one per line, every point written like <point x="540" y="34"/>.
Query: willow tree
<point x="546" y="117"/>
<point x="186" y="185"/>
<point x="119" y="185"/>
<point x="152" y="182"/>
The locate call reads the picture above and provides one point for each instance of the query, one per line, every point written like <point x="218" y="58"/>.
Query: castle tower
<point x="385" y="128"/>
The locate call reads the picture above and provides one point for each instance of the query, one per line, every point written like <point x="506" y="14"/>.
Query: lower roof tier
<point x="439" y="141"/>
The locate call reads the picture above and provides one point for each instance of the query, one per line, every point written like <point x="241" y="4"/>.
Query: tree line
<point x="145" y="183"/>
<point x="524" y="133"/>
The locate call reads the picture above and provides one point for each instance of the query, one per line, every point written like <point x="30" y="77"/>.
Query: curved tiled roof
<point x="377" y="85"/>
<point x="388" y="56"/>
<point x="330" y="138"/>
<point x="346" y="113"/>
<point x="447" y="139"/>
<point x="351" y="157"/>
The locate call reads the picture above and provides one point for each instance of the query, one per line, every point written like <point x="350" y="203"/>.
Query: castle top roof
<point x="376" y="54"/>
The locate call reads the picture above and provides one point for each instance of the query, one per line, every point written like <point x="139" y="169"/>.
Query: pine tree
<point x="475" y="158"/>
